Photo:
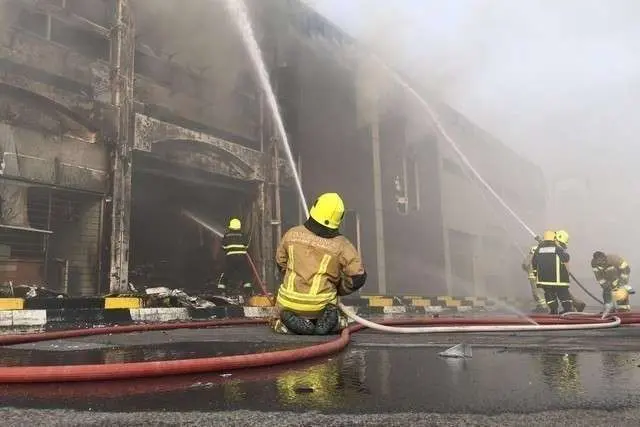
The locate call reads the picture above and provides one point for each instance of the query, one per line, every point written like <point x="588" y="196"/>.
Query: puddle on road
<point x="370" y="380"/>
<point x="78" y="354"/>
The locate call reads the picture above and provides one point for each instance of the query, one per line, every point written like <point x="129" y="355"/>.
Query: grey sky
<point x="561" y="71"/>
<point x="557" y="80"/>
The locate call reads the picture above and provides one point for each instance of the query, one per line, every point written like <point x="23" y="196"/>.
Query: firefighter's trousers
<point x="329" y="322"/>
<point x="538" y="294"/>
<point x="555" y="293"/>
<point x="237" y="276"/>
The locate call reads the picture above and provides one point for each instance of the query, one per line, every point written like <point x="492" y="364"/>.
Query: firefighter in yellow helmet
<point x="562" y="239"/>
<point x="317" y="265"/>
<point x="612" y="273"/>
<point x="538" y="293"/>
<point x="549" y="262"/>
<point x="236" y="276"/>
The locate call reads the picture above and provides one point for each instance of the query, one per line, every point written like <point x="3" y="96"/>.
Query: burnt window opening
<point x="96" y="11"/>
<point x="86" y="43"/>
<point x="412" y="182"/>
<point x="169" y="75"/>
<point x="407" y="185"/>
<point x="400" y="193"/>
<point x="247" y="98"/>
<point x="154" y="68"/>
<point x="50" y="237"/>
<point x="35" y="23"/>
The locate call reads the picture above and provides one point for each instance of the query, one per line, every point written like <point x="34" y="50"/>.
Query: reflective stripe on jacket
<point x="234" y="243"/>
<point x="549" y="261"/>
<point x="314" y="267"/>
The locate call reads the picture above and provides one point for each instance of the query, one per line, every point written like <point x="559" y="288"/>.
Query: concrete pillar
<point x="378" y="204"/>
<point x="122" y="55"/>
<point x="446" y="247"/>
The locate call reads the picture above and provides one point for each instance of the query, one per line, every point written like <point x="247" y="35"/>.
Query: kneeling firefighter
<point x="317" y="264"/>
<point x="549" y="261"/>
<point x="612" y="273"/>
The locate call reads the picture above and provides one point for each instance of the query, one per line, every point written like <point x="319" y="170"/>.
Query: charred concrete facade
<point x="101" y="158"/>
<point x="120" y="124"/>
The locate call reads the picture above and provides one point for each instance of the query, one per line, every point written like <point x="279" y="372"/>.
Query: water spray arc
<point x="238" y="11"/>
<point x="440" y="127"/>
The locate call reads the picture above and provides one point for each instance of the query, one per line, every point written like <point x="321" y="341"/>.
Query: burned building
<point x="132" y="128"/>
<point x="106" y="163"/>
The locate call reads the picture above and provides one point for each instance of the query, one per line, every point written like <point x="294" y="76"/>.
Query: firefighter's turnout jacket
<point x="549" y="261"/>
<point x="234" y="242"/>
<point x="614" y="272"/>
<point x="316" y="270"/>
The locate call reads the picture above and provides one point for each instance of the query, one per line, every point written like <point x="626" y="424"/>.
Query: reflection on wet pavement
<point x="373" y="380"/>
<point x="81" y="353"/>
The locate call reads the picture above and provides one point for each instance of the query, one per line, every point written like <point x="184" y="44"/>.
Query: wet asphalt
<point x="553" y="378"/>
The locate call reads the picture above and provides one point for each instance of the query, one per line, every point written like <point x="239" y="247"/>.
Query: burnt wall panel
<point x="413" y="246"/>
<point x="336" y="156"/>
<point x="53" y="160"/>
<point x="430" y="212"/>
<point x="60" y="61"/>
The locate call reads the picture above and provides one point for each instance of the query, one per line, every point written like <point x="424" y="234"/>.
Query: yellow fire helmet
<point x="328" y="210"/>
<point x="235" y="224"/>
<point x="549" y="235"/>
<point x="562" y="237"/>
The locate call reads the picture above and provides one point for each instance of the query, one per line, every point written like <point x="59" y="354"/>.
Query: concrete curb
<point x="132" y="302"/>
<point x="61" y="318"/>
<point x="444" y="301"/>
<point x="62" y="313"/>
<point x="83" y="303"/>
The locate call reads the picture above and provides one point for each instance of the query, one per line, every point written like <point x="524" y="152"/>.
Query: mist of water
<point x="202" y="223"/>
<point x="238" y="11"/>
<point x="436" y="121"/>
<point x="469" y="288"/>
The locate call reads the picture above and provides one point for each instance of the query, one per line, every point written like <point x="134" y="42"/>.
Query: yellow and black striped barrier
<point x="443" y="301"/>
<point x="374" y="302"/>
<point x="106" y="303"/>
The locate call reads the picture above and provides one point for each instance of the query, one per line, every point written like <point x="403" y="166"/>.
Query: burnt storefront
<point x="185" y="186"/>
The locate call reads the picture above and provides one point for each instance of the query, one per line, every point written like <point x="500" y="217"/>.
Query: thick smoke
<point x="558" y="81"/>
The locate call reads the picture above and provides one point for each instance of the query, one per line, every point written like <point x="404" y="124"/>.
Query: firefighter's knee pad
<point x="328" y="321"/>
<point x="296" y="324"/>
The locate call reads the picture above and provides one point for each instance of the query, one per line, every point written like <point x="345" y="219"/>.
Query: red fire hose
<point x="115" y="371"/>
